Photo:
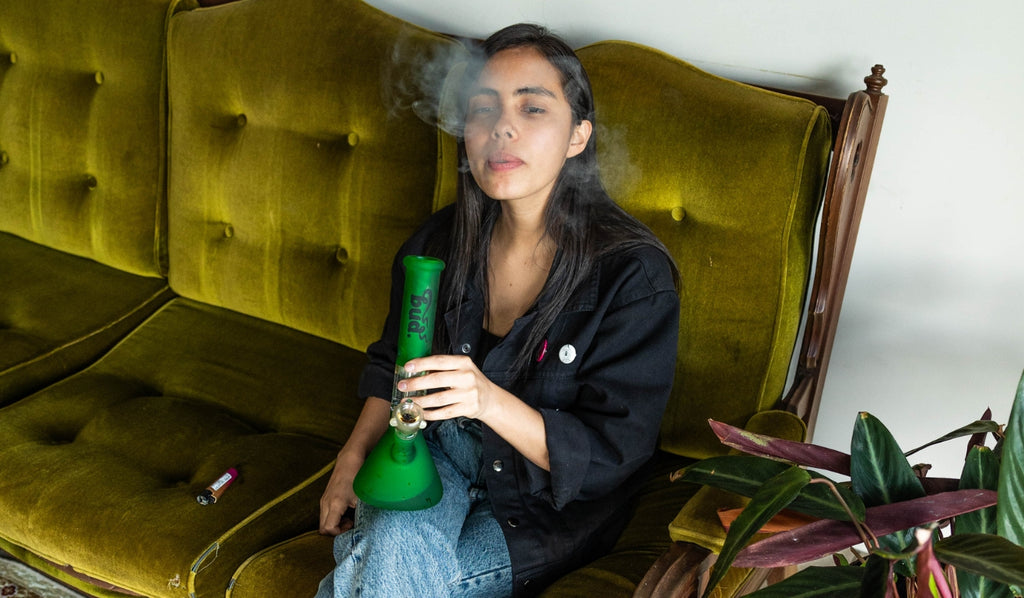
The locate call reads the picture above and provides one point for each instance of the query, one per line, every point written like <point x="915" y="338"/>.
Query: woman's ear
<point x="579" y="138"/>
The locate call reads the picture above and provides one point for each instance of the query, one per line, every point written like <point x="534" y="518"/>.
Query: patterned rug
<point x="19" y="581"/>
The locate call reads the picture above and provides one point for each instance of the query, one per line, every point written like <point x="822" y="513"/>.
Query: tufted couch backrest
<point x="730" y="178"/>
<point x="82" y="129"/>
<point x="294" y="173"/>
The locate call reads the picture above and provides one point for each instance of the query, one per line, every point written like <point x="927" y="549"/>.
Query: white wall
<point x="932" y="330"/>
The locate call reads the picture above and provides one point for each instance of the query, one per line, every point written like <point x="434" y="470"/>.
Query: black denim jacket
<point x="601" y="380"/>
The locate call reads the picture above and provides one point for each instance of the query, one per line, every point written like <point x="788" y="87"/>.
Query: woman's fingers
<point x="454" y="384"/>
<point x="439" y="371"/>
<point x="438" y="363"/>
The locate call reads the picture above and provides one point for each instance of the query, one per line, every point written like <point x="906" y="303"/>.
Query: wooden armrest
<point x="853" y="156"/>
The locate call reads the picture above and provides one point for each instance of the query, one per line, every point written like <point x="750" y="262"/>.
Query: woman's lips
<point x="503" y="162"/>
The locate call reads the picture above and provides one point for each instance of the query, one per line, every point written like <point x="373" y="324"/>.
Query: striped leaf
<point x="981" y="470"/>
<point x="817" y="582"/>
<point x="1010" y="511"/>
<point x="991" y="556"/>
<point x="800" y="453"/>
<point x="879" y="472"/>
<point x="976" y="429"/>
<point x="744" y="475"/>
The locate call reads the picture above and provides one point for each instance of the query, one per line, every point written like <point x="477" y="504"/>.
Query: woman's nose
<point x="503" y="129"/>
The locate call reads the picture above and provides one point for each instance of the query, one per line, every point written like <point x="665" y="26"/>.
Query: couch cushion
<point x="292" y="180"/>
<point x="292" y="568"/>
<point x="730" y="178"/>
<point x="82" y="164"/>
<point x="82" y="128"/>
<point x="58" y="312"/>
<point x="101" y="470"/>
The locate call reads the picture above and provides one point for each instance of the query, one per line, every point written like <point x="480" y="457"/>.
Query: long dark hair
<point x="581" y="218"/>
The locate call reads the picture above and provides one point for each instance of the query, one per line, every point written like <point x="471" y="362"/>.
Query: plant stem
<point x="865" y="533"/>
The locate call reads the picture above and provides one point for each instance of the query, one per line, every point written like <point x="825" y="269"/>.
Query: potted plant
<point x="923" y="536"/>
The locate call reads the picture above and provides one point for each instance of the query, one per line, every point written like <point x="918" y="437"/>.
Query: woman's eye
<point x="534" y="110"/>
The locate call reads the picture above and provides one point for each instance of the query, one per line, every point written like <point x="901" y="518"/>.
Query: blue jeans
<point x="453" y="549"/>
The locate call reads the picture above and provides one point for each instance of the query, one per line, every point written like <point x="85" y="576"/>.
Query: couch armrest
<point x="853" y="156"/>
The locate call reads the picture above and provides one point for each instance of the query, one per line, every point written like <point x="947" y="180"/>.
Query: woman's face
<point x="519" y="127"/>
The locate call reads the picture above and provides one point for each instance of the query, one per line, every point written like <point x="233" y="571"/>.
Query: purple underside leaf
<point x="821" y="538"/>
<point x="930" y="576"/>
<point x="800" y="453"/>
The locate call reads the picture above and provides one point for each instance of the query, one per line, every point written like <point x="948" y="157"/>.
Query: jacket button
<point x="497" y="465"/>
<point x="513" y="522"/>
<point x="466" y="348"/>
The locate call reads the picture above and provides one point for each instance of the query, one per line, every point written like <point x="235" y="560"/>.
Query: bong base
<point x="399" y="475"/>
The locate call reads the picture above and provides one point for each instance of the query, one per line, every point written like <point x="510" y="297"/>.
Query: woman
<point x="555" y="352"/>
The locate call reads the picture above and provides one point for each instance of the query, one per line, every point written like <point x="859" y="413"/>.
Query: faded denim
<point x="454" y="549"/>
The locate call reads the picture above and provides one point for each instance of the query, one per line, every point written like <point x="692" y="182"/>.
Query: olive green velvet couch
<point x="198" y="211"/>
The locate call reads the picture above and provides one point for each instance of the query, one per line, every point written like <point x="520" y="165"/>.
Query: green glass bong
<point x="399" y="473"/>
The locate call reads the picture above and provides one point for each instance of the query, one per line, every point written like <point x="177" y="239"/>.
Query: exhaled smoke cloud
<point x="428" y="79"/>
<point x="620" y="175"/>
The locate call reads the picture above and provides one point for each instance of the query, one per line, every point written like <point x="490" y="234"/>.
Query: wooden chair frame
<point x="682" y="571"/>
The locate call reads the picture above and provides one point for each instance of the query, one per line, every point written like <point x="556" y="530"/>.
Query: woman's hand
<point x="462" y="390"/>
<point x="339" y="497"/>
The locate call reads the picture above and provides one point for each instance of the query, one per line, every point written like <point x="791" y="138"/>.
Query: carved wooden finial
<point x="875" y="81"/>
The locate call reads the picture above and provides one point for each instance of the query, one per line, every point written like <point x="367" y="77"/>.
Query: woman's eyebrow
<point x="484" y="91"/>
<point x="535" y="90"/>
<point x="522" y="91"/>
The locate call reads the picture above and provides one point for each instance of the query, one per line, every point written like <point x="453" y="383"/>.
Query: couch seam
<point x="195" y="568"/>
<point x="81" y="339"/>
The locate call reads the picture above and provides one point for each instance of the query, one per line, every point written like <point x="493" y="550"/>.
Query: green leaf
<point x="1011" y="474"/>
<point x="978" y="427"/>
<point x="991" y="556"/>
<point x="1010" y="510"/>
<point x="973" y="585"/>
<point x="981" y="470"/>
<point x="774" y="496"/>
<point x="879" y="472"/>
<point x="745" y="475"/>
<point x="877" y="572"/>
<point x="813" y="582"/>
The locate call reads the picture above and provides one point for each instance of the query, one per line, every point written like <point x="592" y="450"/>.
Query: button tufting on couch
<point x="289" y="186"/>
<point x="82" y="163"/>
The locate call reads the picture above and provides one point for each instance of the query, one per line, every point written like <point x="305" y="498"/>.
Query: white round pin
<point x="567" y="354"/>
